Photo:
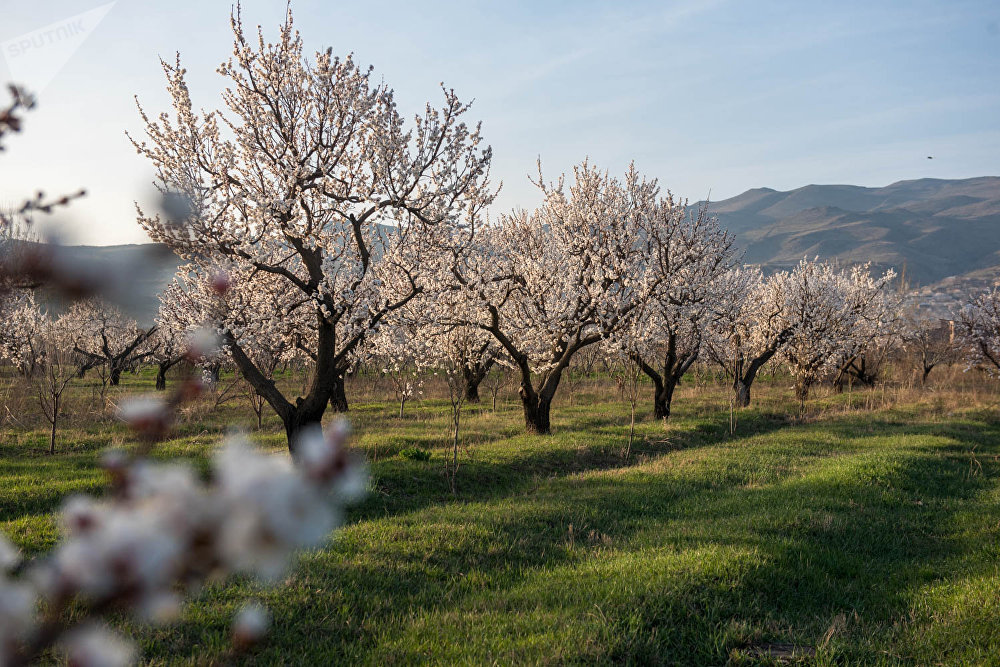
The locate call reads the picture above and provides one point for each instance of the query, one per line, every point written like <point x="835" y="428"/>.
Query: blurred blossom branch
<point x="163" y="531"/>
<point x="10" y="118"/>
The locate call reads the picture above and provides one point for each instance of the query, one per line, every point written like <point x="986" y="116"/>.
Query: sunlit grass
<point x="854" y="536"/>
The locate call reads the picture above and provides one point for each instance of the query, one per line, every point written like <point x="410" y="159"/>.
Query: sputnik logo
<point x="36" y="57"/>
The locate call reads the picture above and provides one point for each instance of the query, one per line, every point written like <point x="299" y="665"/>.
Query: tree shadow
<point x="857" y="532"/>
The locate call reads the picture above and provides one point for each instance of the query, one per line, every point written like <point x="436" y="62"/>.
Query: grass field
<point x="861" y="532"/>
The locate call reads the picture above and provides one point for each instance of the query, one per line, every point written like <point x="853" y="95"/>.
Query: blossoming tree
<point x="547" y="284"/>
<point x="748" y="327"/>
<point x="685" y="258"/>
<point x="979" y="328"/>
<point x="933" y="340"/>
<point x="106" y="336"/>
<point x="833" y="315"/>
<point x="22" y="333"/>
<point x="309" y="176"/>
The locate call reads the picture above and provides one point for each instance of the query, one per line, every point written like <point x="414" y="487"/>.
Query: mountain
<point x="931" y="229"/>
<point x="147" y="267"/>
<point x="943" y="234"/>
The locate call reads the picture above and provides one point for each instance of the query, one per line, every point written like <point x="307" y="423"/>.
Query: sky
<point x="711" y="97"/>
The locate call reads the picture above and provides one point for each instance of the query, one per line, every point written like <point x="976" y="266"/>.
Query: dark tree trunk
<point x="298" y="419"/>
<point x="841" y="379"/>
<point x="662" y="397"/>
<point x="473" y="375"/>
<point x="536" y="414"/>
<point x="161" y="372"/>
<point x="927" y="371"/>
<point x="326" y="386"/>
<point x="538" y="404"/>
<point x="674" y="367"/>
<point x="115" y="374"/>
<point x="338" y="395"/>
<point x="741" y="391"/>
<point x="802" y="386"/>
<point x="866" y="375"/>
<point x="472" y="392"/>
<point x="743" y="381"/>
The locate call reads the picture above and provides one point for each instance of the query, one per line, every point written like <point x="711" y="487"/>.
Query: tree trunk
<point x="338" y="395"/>
<point x="741" y="392"/>
<point x="741" y="385"/>
<point x="326" y="386"/>
<point x="161" y="377"/>
<point x="802" y="390"/>
<point x="472" y="393"/>
<point x="473" y="375"/>
<point x="663" y="395"/>
<point x="927" y="371"/>
<point x="299" y="418"/>
<point x="52" y="434"/>
<point x="472" y="380"/>
<point x="536" y="414"/>
<point x="674" y="366"/>
<point x="537" y="404"/>
<point x="115" y="375"/>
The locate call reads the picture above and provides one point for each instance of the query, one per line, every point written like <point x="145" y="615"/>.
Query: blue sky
<point x="710" y="96"/>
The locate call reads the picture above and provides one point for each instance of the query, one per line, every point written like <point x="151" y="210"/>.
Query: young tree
<point x="629" y="375"/>
<point x="933" y="340"/>
<point x="56" y="369"/>
<point x="394" y="350"/>
<point x="547" y="284"/>
<point x="451" y="349"/>
<point x="317" y="184"/>
<point x="497" y="379"/>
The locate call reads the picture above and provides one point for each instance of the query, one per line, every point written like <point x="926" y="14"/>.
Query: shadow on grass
<point x="855" y="534"/>
<point x="403" y="486"/>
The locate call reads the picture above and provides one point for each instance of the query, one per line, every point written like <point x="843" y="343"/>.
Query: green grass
<point x="858" y="537"/>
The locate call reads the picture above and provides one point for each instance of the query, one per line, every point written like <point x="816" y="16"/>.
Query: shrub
<point x="415" y="454"/>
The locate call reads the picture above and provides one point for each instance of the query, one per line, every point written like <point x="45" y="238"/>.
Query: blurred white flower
<point x="202" y="342"/>
<point x="17" y="613"/>
<point x="97" y="646"/>
<point x="145" y="414"/>
<point x="10" y="555"/>
<point x="251" y="624"/>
